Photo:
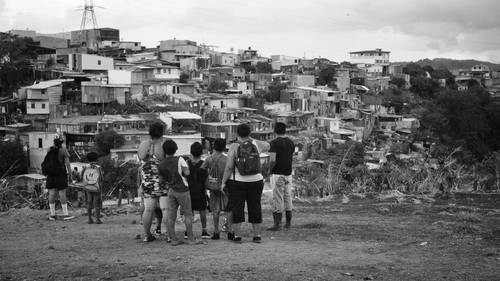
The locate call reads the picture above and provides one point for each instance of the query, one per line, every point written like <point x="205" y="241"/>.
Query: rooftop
<point x="48" y="84"/>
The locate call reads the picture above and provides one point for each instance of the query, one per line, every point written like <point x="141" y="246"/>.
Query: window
<point x="43" y="105"/>
<point x="40" y="143"/>
<point x="32" y="105"/>
<point x="98" y="62"/>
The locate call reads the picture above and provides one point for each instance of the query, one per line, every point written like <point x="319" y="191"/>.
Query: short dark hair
<point x="92" y="156"/>
<point x="58" y="142"/>
<point x="220" y="144"/>
<point x="280" y="128"/>
<point x="243" y="130"/>
<point x="169" y="147"/>
<point x="156" y="130"/>
<point x="196" y="149"/>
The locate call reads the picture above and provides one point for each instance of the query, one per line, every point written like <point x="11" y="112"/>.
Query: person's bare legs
<point x="215" y="216"/>
<point x="147" y="216"/>
<point x="52" y="203"/>
<point x="256" y="227"/>
<point x="203" y="219"/>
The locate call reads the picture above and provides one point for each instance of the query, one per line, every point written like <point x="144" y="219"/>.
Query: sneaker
<point x="216" y="236"/>
<point x="67" y="217"/>
<point x="52" y="218"/>
<point x="257" y="239"/>
<point x="185" y="235"/>
<point x="158" y="231"/>
<point x="237" y="239"/>
<point x="149" y="238"/>
<point x="230" y="236"/>
<point x="194" y="242"/>
<point x="205" y="235"/>
<point x="176" y="243"/>
<point x="98" y="221"/>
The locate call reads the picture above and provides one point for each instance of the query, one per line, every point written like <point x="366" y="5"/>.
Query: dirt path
<point x="330" y="241"/>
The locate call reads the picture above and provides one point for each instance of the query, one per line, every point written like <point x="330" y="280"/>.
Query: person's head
<point x="76" y="169"/>
<point x="169" y="147"/>
<point x="280" y="128"/>
<point x="220" y="145"/>
<point x="196" y="149"/>
<point x="92" y="157"/>
<point x="156" y="130"/>
<point x="243" y="130"/>
<point x="58" y="141"/>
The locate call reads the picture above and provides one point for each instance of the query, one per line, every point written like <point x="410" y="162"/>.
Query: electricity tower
<point x="89" y="20"/>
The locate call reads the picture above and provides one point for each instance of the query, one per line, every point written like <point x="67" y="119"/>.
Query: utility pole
<point x="89" y="18"/>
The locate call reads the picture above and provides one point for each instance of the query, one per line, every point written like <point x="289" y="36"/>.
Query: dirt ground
<point x="365" y="239"/>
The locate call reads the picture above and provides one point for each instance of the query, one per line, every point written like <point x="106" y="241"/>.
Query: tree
<point x="216" y="86"/>
<point x="15" y="68"/>
<point x="414" y="70"/>
<point x="107" y="140"/>
<point x="263" y="67"/>
<point x="249" y="68"/>
<point x="399" y="82"/>
<point x="275" y="91"/>
<point x="14" y="160"/>
<point x="424" y="87"/>
<point x="326" y="76"/>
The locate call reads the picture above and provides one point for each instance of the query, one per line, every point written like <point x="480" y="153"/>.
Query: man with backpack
<point x="281" y="157"/>
<point x="244" y="178"/>
<point x="57" y="168"/>
<point x="92" y="177"/>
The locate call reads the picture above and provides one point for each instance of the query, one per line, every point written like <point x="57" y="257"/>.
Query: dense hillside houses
<point x="91" y="82"/>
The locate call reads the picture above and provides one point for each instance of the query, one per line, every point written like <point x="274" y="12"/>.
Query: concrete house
<point x="89" y="63"/>
<point x="376" y="62"/>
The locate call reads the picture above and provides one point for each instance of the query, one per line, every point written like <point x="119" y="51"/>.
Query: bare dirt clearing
<point x="366" y="239"/>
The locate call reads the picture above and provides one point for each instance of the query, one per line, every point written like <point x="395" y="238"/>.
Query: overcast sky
<point x="411" y="30"/>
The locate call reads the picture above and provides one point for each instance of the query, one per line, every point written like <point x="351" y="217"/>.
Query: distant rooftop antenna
<point x="89" y="20"/>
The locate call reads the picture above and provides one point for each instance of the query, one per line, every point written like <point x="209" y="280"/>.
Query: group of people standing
<point x="169" y="182"/>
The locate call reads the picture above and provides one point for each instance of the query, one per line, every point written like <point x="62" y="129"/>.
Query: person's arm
<point x="143" y="150"/>
<point x="263" y="146"/>
<point x="184" y="167"/>
<point x="229" y="164"/>
<point x="272" y="155"/>
<point x="66" y="163"/>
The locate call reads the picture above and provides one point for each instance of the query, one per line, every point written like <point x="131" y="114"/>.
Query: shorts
<point x="218" y="201"/>
<point x="176" y="199"/>
<point x="57" y="182"/>
<point x="94" y="200"/>
<point x="199" y="205"/>
<point x="251" y="193"/>
<point x="154" y="204"/>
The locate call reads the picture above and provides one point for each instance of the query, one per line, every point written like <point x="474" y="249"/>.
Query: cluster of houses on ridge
<point x="75" y="74"/>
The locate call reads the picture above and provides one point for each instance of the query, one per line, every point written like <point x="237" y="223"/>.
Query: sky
<point x="410" y="30"/>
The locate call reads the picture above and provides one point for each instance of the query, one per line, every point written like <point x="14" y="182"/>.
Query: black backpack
<point x="51" y="166"/>
<point x="248" y="159"/>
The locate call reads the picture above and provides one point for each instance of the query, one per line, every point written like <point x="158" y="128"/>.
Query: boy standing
<point x="281" y="157"/>
<point x="197" y="186"/>
<point x="172" y="170"/>
<point x="92" y="181"/>
<point x="215" y="164"/>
